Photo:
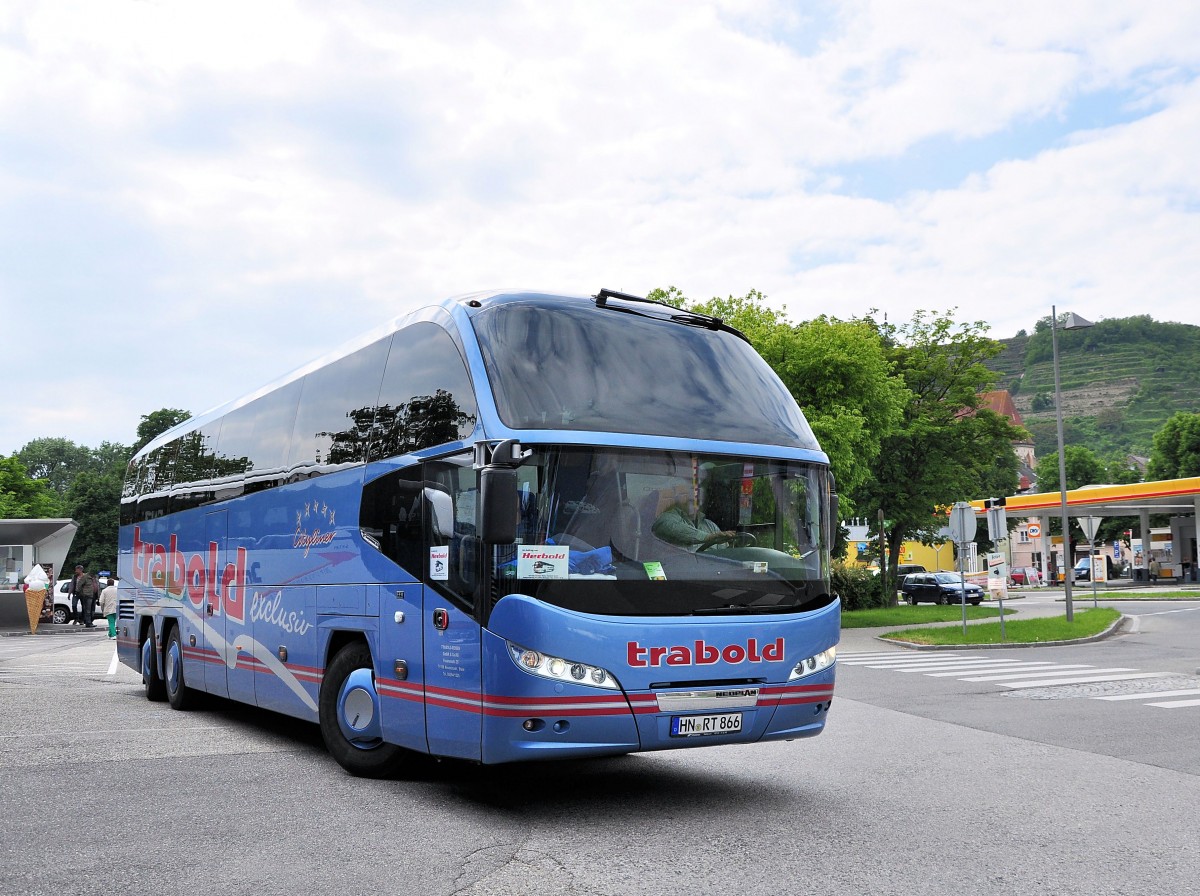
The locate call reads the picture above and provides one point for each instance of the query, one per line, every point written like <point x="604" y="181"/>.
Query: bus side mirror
<point x="500" y="498"/>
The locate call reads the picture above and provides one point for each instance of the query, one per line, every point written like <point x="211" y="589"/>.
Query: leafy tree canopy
<point x="1082" y="466"/>
<point x="947" y="448"/>
<point x="838" y="372"/>
<point x="1176" y="451"/>
<point x="95" y="499"/>
<point x="23" y="497"/>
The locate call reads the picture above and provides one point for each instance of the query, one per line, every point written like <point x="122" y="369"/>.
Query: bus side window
<point x="415" y="518"/>
<point x="391" y="518"/>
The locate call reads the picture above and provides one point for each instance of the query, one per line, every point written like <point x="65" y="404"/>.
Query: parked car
<point x="1083" y="569"/>
<point x="939" y="588"/>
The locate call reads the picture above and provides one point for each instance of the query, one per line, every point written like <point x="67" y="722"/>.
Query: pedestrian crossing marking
<point x="1087" y="679"/>
<point x="1016" y="675"/>
<point x="1183" y="692"/>
<point x="1050" y="673"/>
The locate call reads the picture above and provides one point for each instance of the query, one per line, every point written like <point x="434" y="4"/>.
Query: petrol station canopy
<point x="1171" y="496"/>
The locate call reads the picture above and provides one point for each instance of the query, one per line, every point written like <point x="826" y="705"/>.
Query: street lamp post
<point x="1072" y="322"/>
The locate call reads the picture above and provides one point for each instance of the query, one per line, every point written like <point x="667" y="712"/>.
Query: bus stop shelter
<point x="1179" y="499"/>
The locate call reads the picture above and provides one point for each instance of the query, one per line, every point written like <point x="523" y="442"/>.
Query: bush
<point x="858" y="587"/>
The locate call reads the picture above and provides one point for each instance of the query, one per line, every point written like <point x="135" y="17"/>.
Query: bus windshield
<point x="584" y="368"/>
<point x="638" y="532"/>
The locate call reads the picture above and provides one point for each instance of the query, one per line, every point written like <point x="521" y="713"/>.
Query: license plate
<point x="717" y="723"/>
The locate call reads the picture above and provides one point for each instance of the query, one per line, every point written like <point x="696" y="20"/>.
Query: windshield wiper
<point x="745" y="610"/>
<point x="688" y="318"/>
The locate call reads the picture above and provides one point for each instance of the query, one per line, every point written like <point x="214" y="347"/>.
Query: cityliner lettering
<point x="704" y="654"/>
<point x="196" y="575"/>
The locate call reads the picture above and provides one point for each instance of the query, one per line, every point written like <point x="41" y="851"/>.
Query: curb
<point x="48" y="629"/>
<point x="1121" y="623"/>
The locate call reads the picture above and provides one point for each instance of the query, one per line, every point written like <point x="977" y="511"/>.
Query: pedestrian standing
<point x="83" y="597"/>
<point x="108" y="605"/>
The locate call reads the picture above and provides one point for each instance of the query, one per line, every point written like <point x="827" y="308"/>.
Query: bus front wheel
<point x="350" y="717"/>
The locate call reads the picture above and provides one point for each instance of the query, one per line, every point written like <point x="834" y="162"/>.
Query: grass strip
<point x="921" y="614"/>
<point x="1017" y="631"/>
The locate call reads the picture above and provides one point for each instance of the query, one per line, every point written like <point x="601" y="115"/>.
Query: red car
<point x="1025" y="576"/>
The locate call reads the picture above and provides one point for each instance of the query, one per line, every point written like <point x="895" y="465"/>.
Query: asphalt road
<point x="920" y="785"/>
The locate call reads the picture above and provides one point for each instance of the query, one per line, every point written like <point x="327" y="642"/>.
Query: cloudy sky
<point x="198" y="197"/>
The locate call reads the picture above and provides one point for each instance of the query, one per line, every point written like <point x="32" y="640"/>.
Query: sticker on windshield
<point x="655" y="571"/>
<point x="759" y="566"/>
<point x="543" y="561"/>
<point x="439" y="563"/>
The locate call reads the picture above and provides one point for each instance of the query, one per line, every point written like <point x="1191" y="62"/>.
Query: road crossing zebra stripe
<point x="1035" y="666"/>
<point x="859" y="659"/>
<point x="1080" y="679"/>
<point x="1048" y="673"/>
<point x="964" y="666"/>
<point x="1022" y="675"/>
<point x="1153" y="695"/>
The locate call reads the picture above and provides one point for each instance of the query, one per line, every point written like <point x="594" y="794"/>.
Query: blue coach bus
<point x="506" y="527"/>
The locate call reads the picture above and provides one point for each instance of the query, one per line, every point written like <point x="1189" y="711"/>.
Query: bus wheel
<point x="350" y="716"/>
<point x="153" y="685"/>
<point x="179" y="695"/>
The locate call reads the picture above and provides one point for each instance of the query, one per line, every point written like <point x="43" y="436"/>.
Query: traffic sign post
<point x="1090" y="525"/>
<point x="962" y="532"/>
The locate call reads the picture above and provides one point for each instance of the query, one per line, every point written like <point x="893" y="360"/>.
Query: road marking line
<point x="1150" y="695"/>
<point x="964" y="666"/>
<point x="1176" y="704"/>
<point x="112" y="667"/>
<point x="1088" y="680"/>
<point x="933" y="664"/>
<point x="1022" y="666"/>
<point x="891" y="655"/>
<point x="1084" y="669"/>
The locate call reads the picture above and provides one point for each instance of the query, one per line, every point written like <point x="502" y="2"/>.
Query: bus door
<point x="453" y="673"/>
<point x="453" y="698"/>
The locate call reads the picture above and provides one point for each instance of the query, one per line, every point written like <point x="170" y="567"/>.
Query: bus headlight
<point x="558" y="669"/>
<point x="813" y="664"/>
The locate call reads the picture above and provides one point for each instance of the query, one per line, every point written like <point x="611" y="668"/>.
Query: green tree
<point x="838" y="372"/>
<point x="947" y="447"/>
<point x="1176" y="451"/>
<point x="55" y="461"/>
<point x="22" y="496"/>
<point x="1082" y="466"/>
<point x="95" y="500"/>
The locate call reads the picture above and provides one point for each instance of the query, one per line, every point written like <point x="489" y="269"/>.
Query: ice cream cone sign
<point x="36" y="584"/>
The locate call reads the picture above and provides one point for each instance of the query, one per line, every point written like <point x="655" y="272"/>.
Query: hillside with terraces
<point x="1121" y="381"/>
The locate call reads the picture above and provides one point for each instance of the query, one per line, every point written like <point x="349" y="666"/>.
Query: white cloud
<point x="216" y="192"/>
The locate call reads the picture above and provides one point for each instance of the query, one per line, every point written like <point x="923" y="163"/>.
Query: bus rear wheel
<point x="151" y="683"/>
<point x="350" y="717"/>
<point x="179" y="695"/>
